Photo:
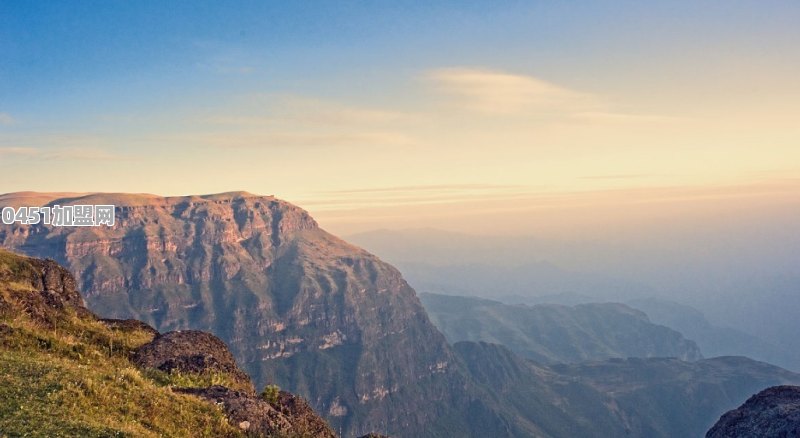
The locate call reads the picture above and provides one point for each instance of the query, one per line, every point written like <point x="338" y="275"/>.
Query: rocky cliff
<point x="772" y="413"/>
<point x="297" y="305"/>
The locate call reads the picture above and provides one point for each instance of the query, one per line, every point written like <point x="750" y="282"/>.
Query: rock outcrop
<point x="288" y="416"/>
<point x="45" y="289"/>
<point x="772" y="413"/>
<point x="190" y="351"/>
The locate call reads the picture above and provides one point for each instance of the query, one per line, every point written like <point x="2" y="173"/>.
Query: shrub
<point x="270" y="393"/>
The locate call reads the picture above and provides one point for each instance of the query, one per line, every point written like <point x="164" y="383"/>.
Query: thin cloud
<point x="508" y="94"/>
<point x="18" y="151"/>
<point x="505" y="93"/>
<point x="269" y="139"/>
<point x="278" y="121"/>
<point x="426" y="188"/>
<point x="265" y="109"/>
<point x="613" y="117"/>
<point x="57" y="153"/>
<point x="615" y="177"/>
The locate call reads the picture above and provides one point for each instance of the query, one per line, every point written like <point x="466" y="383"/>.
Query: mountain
<point x="297" y="306"/>
<point x="655" y="397"/>
<point x="666" y="397"/>
<point x="772" y="413"/>
<point x="550" y="333"/>
<point x="714" y="340"/>
<point x="66" y="372"/>
<point x="334" y="324"/>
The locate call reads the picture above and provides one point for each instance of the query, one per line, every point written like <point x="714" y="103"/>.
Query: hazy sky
<point x="410" y="114"/>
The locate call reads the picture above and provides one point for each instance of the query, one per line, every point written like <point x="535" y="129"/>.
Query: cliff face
<point x="298" y="306"/>
<point x="772" y="413"/>
<point x="65" y="372"/>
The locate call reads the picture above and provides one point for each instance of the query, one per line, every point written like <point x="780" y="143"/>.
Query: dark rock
<point x="290" y="416"/>
<point x="50" y="291"/>
<point x="772" y="413"/>
<point x="189" y="351"/>
<point x="302" y="417"/>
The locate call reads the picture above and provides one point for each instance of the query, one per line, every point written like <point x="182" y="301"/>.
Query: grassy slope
<point x="73" y="377"/>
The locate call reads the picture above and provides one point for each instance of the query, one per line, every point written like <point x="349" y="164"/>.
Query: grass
<point x="72" y="377"/>
<point x="56" y="384"/>
<point x="194" y="380"/>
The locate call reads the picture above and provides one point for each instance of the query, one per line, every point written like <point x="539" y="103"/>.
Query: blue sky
<point x="449" y="101"/>
<point x="107" y="53"/>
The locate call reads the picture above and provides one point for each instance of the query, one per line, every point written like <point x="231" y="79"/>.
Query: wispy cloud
<point x="500" y="92"/>
<point x="616" y="177"/>
<point x="57" y="147"/>
<point x="412" y="195"/>
<point x="278" y="121"/>
<point x="70" y="153"/>
<point x="272" y="139"/>
<point x="10" y="151"/>
<point x="426" y="188"/>
<point x="508" y="94"/>
<point x="263" y="109"/>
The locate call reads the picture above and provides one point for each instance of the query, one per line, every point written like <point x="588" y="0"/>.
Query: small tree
<point x="270" y="393"/>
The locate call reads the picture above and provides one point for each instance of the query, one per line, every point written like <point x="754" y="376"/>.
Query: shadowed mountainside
<point x="554" y="333"/>
<point x="714" y="340"/>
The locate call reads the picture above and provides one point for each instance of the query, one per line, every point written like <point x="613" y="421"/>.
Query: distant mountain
<point x="652" y="398"/>
<point x="65" y="372"/>
<point x="672" y="398"/>
<point x="550" y="333"/>
<point x="741" y="276"/>
<point x="526" y="282"/>
<point x="772" y="413"/>
<point x="714" y="340"/>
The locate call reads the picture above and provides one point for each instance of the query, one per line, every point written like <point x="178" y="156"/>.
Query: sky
<point x="487" y="117"/>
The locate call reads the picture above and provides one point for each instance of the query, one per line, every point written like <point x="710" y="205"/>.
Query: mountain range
<point x="552" y="333"/>
<point x="303" y="309"/>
